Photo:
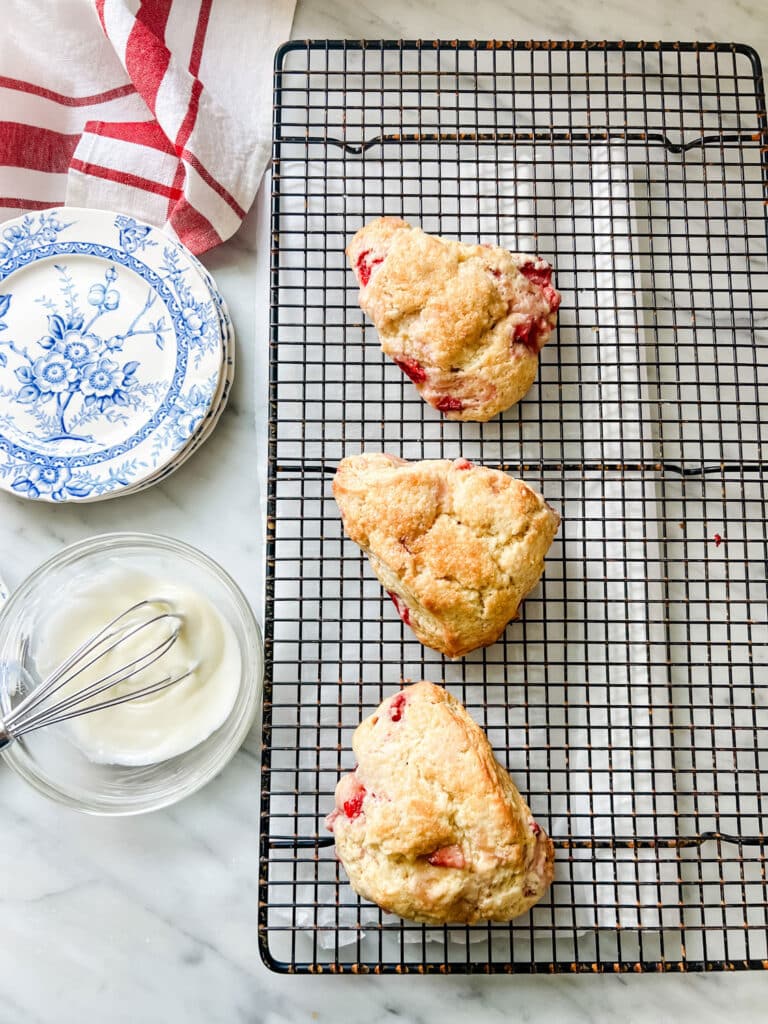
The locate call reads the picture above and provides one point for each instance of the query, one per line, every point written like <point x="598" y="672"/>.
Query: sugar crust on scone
<point x="429" y="825"/>
<point x="456" y="546"/>
<point x="465" y="322"/>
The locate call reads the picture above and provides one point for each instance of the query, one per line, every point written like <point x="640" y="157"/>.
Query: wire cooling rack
<point x="629" y="701"/>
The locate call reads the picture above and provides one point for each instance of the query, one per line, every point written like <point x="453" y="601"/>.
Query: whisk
<point x="37" y="710"/>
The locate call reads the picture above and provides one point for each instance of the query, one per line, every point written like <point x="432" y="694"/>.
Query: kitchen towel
<point x="160" y="109"/>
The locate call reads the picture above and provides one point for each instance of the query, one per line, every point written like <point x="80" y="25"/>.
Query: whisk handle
<point x="5" y="736"/>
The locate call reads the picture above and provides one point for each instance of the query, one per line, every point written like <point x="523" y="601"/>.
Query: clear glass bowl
<point x="46" y="758"/>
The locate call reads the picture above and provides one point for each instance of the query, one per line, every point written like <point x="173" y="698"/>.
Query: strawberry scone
<point x="456" y="546"/>
<point x="466" y="323"/>
<point x="429" y="825"/>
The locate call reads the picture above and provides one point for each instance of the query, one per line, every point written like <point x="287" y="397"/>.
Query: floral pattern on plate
<point x="73" y="374"/>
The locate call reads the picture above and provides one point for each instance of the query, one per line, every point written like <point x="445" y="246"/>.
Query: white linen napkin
<point x="159" y="109"/>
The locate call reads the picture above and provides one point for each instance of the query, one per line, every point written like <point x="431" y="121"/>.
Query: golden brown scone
<point x="456" y="546"/>
<point x="465" y="322"/>
<point x="429" y="825"/>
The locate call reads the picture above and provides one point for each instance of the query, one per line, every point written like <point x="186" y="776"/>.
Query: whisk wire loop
<point x="35" y="710"/>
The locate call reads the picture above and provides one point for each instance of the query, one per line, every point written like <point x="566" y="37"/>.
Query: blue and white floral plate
<point x="113" y="355"/>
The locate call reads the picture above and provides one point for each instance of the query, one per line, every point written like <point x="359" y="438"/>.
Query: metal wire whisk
<point x="36" y="710"/>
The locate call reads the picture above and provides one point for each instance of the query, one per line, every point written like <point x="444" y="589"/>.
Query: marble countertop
<point x="154" y="919"/>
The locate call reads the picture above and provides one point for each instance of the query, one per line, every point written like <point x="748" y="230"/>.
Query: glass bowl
<point x="47" y="759"/>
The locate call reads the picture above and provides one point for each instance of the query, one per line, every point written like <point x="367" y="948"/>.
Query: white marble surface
<point x="154" y="919"/>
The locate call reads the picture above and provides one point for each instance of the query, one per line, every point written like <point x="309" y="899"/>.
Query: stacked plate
<point x="116" y="355"/>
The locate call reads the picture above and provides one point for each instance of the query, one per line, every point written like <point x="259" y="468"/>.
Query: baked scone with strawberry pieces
<point x="456" y="546"/>
<point x="465" y="322"/>
<point x="429" y="825"/>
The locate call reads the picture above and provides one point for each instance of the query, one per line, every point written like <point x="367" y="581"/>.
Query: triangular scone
<point x="429" y="825"/>
<point x="465" y="322"/>
<point x="456" y="546"/>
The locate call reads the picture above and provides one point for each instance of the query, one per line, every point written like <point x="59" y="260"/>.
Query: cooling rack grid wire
<point x="629" y="701"/>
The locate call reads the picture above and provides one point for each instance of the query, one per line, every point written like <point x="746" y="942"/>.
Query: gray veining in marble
<point x="154" y="919"/>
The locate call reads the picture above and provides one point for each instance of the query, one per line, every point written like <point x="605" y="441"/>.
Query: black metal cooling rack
<point x="629" y="702"/>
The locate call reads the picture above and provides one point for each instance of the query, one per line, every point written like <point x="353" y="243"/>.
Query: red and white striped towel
<point x="155" y="108"/>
